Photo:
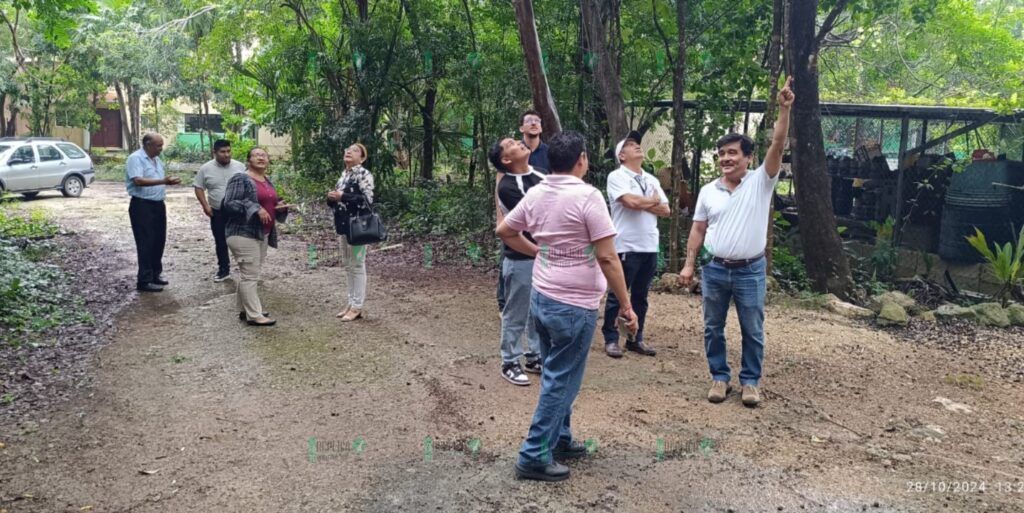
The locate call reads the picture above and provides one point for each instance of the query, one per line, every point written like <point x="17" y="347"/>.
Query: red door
<point x="109" y="133"/>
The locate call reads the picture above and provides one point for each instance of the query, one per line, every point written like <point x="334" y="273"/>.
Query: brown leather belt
<point x="733" y="264"/>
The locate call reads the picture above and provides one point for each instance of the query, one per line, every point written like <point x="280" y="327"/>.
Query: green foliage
<point x="881" y="263"/>
<point x="1006" y="261"/>
<point x="439" y="209"/>
<point x="952" y="52"/>
<point x="36" y="226"/>
<point x="787" y="267"/>
<point x="34" y="296"/>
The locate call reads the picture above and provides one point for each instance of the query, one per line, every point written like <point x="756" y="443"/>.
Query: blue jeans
<point x="565" y="335"/>
<point x="745" y="285"/>
<point x="517" y="275"/>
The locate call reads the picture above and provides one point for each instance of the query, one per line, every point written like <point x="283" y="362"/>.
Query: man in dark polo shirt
<point x="511" y="157"/>
<point x="531" y="128"/>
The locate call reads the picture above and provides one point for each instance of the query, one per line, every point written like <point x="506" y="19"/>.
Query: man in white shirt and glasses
<point x="636" y="200"/>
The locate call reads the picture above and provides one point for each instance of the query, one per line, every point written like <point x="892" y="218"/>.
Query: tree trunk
<point x="364" y="10"/>
<point x="206" y="123"/>
<point x="130" y="138"/>
<point x="595" y="29"/>
<point x="136" y="115"/>
<point x="827" y="265"/>
<point x="3" y="116"/>
<point x="678" y="135"/>
<point x="427" y="115"/>
<point x="543" y="102"/>
<point x="774" y="71"/>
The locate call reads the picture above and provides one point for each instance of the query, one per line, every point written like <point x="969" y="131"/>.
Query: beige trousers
<point x="353" y="258"/>
<point x="249" y="254"/>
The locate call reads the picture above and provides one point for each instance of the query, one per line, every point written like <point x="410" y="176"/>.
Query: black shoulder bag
<point x="366" y="228"/>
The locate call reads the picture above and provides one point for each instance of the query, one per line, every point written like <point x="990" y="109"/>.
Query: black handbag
<point x="366" y="228"/>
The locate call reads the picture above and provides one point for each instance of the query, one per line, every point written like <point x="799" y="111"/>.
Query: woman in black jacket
<point x="352" y="196"/>
<point x="253" y="210"/>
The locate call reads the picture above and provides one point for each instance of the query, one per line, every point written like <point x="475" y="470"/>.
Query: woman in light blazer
<point x="352" y="196"/>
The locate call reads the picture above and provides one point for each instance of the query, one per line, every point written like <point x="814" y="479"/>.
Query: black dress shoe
<point x="553" y="471"/>
<point x="640" y="347"/>
<point x="149" y="287"/>
<point x="159" y="280"/>
<point x="570" y="450"/>
<point x="242" y="317"/>
<point x="613" y="350"/>
<point x="265" y="322"/>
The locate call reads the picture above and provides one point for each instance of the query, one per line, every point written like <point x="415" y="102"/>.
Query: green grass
<point x="34" y="295"/>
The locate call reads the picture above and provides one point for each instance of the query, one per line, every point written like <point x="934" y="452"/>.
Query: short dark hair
<point x="564" y="149"/>
<point x="221" y="143"/>
<point x="746" y="143"/>
<point x="494" y="155"/>
<point x="530" y="112"/>
<point x="148" y="138"/>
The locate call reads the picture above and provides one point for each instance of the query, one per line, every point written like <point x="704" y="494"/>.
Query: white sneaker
<point x="513" y="373"/>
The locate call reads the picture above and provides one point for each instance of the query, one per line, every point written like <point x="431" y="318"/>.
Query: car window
<point x="71" y="151"/>
<point x="23" y="154"/>
<point x="48" y="153"/>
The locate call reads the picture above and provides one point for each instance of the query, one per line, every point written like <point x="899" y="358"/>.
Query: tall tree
<point x="678" y="131"/>
<point x="773" y="61"/>
<point x="827" y="264"/>
<point x="597" y="16"/>
<point x="543" y="102"/>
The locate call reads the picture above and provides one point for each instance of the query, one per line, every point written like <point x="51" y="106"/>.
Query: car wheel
<point x="30" y="195"/>
<point x="72" y="187"/>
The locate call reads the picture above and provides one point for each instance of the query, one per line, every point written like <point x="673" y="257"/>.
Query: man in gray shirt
<point x="210" y="182"/>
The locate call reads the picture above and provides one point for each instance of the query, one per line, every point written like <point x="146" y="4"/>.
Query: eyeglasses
<point x="531" y="121"/>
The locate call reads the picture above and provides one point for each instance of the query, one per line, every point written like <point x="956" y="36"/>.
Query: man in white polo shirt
<point x="730" y="223"/>
<point x="636" y="199"/>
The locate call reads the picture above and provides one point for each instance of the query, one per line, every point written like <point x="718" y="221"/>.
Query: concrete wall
<point x="276" y="145"/>
<point x="74" y="134"/>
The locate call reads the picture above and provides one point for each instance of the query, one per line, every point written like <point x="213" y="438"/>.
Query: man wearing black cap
<point x="637" y="200"/>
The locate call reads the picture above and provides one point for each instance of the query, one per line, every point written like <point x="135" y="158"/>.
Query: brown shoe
<point x="751" y="397"/>
<point x="719" y="391"/>
<point x="351" y="315"/>
<point x="640" y="347"/>
<point x="613" y="350"/>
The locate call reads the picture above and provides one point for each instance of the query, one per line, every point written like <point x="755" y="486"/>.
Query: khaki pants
<point x="354" y="260"/>
<point x="250" y="254"/>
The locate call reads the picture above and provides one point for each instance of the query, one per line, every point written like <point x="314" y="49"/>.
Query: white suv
<point x="29" y="165"/>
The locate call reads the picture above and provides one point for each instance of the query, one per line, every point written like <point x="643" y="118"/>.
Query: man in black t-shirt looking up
<point x="511" y="157"/>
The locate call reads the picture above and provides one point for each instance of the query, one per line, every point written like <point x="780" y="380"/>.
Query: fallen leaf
<point x="85" y="508"/>
<point x="149" y="472"/>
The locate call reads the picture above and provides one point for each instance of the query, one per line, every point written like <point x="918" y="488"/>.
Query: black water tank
<point x="998" y="224"/>
<point x="984" y="184"/>
<point x="979" y="197"/>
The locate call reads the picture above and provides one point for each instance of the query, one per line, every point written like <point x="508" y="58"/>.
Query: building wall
<point x="73" y="134"/>
<point x="276" y="145"/>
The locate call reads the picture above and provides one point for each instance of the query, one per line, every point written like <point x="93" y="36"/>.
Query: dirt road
<point x="187" y="409"/>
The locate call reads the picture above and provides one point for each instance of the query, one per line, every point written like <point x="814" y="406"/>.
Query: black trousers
<point x="217" y="223"/>
<point x="149" y="226"/>
<point x="639" y="270"/>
